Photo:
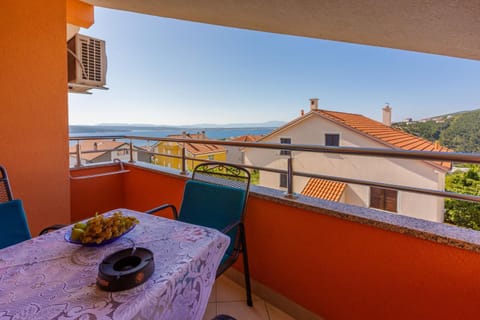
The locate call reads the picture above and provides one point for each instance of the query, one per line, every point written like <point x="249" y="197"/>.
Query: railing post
<point x="131" y="152"/>
<point x="184" y="167"/>
<point x="79" y="161"/>
<point x="290" y="194"/>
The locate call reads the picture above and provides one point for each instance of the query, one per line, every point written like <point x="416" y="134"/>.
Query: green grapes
<point x="100" y="228"/>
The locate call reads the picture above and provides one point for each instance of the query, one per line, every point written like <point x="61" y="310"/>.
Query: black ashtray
<point x="125" y="269"/>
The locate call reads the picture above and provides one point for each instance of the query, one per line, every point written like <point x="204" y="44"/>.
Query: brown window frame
<point x="285" y="140"/>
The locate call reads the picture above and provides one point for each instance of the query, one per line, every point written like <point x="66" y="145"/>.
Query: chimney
<point x="95" y="146"/>
<point x="184" y="134"/>
<point x="302" y="112"/>
<point x="203" y="137"/>
<point x="313" y="104"/>
<point x="387" y="115"/>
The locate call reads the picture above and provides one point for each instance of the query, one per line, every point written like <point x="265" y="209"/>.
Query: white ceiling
<point x="445" y="27"/>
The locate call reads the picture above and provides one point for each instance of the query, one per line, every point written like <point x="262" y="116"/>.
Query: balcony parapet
<point x="441" y="233"/>
<point x="433" y="231"/>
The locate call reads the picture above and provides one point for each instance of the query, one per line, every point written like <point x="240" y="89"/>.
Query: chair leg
<point x="246" y="271"/>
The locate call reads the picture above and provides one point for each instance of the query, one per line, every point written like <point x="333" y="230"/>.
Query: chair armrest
<point x="162" y="207"/>
<point x="51" y="228"/>
<point x="230" y="227"/>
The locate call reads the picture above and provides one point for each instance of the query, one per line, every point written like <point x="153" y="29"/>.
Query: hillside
<point x="459" y="131"/>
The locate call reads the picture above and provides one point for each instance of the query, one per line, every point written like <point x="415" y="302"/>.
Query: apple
<point x="77" y="234"/>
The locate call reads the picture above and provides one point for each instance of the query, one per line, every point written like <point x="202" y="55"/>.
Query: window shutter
<point x="391" y="200"/>
<point x="285" y="141"/>
<point x="332" y="140"/>
<point x="383" y="199"/>
<point x="283" y="180"/>
<point x="376" y="198"/>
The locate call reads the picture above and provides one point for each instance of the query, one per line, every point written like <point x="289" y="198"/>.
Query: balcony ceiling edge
<point x="440" y="27"/>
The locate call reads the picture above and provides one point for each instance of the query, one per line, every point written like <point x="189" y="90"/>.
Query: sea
<point x="161" y="132"/>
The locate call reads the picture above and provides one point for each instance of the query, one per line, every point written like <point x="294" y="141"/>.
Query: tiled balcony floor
<point x="229" y="298"/>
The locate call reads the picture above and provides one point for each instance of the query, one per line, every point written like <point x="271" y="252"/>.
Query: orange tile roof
<point x="103" y="146"/>
<point x="198" y="148"/>
<point x="324" y="189"/>
<point x="246" y="138"/>
<point x="392" y="137"/>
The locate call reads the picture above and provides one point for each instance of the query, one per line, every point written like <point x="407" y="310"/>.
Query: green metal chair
<point x="14" y="226"/>
<point x="216" y="197"/>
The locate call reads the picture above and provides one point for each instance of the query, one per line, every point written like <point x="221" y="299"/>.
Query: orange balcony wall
<point x="140" y="189"/>
<point x="336" y="268"/>
<point x="33" y="102"/>
<point x="90" y="196"/>
<point x="345" y="270"/>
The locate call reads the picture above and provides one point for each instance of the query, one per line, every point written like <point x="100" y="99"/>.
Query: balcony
<point x="334" y="261"/>
<point x="319" y="259"/>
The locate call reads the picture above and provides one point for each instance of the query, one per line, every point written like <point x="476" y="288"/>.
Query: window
<point x="332" y="140"/>
<point x="285" y="141"/>
<point x="384" y="199"/>
<point x="211" y="157"/>
<point x="283" y="180"/>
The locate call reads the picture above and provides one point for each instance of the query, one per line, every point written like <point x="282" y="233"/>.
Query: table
<point x="49" y="278"/>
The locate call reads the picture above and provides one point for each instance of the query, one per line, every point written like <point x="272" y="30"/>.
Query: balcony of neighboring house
<point x="169" y="153"/>
<point x="312" y="258"/>
<point x="102" y="150"/>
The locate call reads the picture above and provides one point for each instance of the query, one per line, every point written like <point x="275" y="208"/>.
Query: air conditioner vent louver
<point x="86" y="62"/>
<point x="92" y="59"/>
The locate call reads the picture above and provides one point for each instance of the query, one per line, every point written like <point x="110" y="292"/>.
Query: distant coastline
<point x="163" y="131"/>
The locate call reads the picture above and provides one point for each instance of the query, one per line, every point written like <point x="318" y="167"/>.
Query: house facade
<point x="196" y="151"/>
<point x="329" y="128"/>
<point x="234" y="153"/>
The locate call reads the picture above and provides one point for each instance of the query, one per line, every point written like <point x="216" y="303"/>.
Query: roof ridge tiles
<point x="377" y="130"/>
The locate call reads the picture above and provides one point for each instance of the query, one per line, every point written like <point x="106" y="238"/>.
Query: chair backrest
<point x="223" y="174"/>
<point x="13" y="226"/>
<point x="216" y="197"/>
<point x="5" y="190"/>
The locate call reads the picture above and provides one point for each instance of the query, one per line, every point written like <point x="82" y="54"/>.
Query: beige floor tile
<point x="213" y="294"/>
<point x="276" y="314"/>
<point x="229" y="291"/>
<point x="241" y="311"/>
<point x="210" y="312"/>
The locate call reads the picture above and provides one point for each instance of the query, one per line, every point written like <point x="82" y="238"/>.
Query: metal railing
<point x="290" y="173"/>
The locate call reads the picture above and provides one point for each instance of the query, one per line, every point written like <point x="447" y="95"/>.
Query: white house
<point x="331" y="128"/>
<point x="234" y="153"/>
<point x="93" y="151"/>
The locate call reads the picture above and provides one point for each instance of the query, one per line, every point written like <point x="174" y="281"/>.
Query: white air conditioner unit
<point x="87" y="63"/>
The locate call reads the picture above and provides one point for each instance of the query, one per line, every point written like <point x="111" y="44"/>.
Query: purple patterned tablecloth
<point x="49" y="278"/>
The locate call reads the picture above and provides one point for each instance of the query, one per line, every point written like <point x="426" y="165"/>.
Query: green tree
<point x="459" y="212"/>
<point x="462" y="213"/>
<point x="458" y="132"/>
<point x="462" y="134"/>
<point x="429" y="130"/>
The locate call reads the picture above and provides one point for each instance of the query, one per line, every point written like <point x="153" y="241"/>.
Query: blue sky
<point x="165" y="71"/>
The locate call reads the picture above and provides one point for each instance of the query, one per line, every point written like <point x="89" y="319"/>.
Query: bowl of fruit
<point x="101" y="230"/>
